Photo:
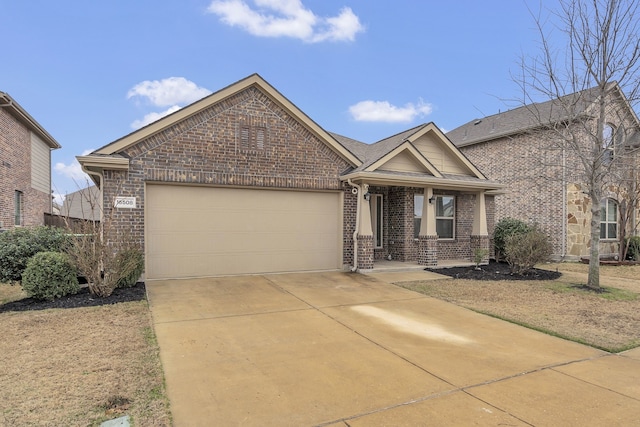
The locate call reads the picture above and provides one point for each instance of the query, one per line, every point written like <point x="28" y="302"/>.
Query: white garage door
<point x="203" y="231"/>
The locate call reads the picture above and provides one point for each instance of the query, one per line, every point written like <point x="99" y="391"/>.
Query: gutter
<point x="100" y="179"/>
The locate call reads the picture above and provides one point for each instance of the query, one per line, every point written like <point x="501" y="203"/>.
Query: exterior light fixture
<point x="367" y="196"/>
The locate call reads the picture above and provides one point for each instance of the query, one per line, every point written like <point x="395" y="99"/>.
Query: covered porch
<point x="408" y="222"/>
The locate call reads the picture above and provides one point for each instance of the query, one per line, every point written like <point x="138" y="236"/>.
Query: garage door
<point x="202" y="231"/>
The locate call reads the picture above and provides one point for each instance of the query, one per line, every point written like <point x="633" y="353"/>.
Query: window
<point x="18" y="207"/>
<point x="608" y="144"/>
<point x="418" y="200"/>
<point x="377" y="220"/>
<point x="609" y="219"/>
<point x="445" y="217"/>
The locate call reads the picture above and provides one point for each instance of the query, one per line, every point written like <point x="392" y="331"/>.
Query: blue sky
<point x="91" y="72"/>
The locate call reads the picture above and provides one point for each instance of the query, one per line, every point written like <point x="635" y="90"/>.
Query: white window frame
<point x="609" y="135"/>
<point x="18" y="208"/>
<point x="376" y="204"/>
<point x="418" y="200"/>
<point x="446" y="218"/>
<point x="605" y="221"/>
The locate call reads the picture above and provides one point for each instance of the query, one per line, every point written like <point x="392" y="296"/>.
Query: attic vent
<point x="252" y="135"/>
<point x="477" y="122"/>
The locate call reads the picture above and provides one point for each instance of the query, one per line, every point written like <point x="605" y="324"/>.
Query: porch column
<point x="479" y="234"/>
<point x="365" y="233"/>
<point x="428" y="238"/>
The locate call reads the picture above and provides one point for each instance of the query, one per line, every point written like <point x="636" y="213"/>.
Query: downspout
<point x="355" y="232"/>
<point x="100" y="180"/>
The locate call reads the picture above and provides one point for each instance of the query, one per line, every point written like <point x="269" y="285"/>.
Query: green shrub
<point x="19" y="244"/>
<point x="504" y="228"/>
<point x="633" y="253"/>
<point x="50" y="275"/>
<point x="130" y="265"/>
<point x="479" y="255"/>
<point x="524" y="250"/>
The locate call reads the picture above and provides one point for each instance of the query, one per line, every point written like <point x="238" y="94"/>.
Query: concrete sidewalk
<point x="340" y="349"/>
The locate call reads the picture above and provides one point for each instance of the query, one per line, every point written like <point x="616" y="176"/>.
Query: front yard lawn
<point x="79" y="366"/>
<point x="608" y="320"/>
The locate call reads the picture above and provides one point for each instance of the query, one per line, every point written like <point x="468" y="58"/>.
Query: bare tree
<point x="588" y="61"/>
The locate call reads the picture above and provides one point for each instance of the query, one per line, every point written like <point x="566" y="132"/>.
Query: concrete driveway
<point x="342" y="349"/>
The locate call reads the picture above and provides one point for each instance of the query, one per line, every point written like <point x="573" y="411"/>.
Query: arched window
<point x="608" y="143"/>
<point x="609" y="219"/>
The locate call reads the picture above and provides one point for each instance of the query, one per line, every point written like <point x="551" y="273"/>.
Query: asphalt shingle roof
<point x="524" y="118"/>
<point x="370" y="153"/>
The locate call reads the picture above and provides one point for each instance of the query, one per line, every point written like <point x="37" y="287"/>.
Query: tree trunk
<point x="593" y="281"/>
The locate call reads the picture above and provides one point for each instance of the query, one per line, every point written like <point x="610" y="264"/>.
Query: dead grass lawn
<point x="79" y="367"/>
<point x="610" y="321"/>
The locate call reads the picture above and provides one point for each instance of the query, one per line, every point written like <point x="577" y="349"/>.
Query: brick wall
<point x="15" y="174"/>
<point x="532" y="175"/>
<point x="210" y="148"/>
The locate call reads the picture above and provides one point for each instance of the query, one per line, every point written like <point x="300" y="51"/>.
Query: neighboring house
<point x="82" y="204"/>
<point x="25" y="167"/>
<point x="244" y="182"/>
<point x="516" y="148"/>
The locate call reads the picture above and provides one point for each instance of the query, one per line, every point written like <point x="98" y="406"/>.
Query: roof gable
<point x="404" y="158"/>
<point x="442" y="153"/>
<point x="6" y="101"/>
<point x="218" y="97"/>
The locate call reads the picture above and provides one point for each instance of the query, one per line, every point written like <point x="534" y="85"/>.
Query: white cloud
<point x="287" y="18"/>
<point x="173" y="91"/>
<point x="170" y="91"/>
<point x="72" y="171"/>
<point x="152" y="117"/>
<point x="383" y="111"/>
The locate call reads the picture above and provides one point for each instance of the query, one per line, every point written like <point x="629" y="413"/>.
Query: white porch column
<point x="480" y="216"/>
<point x="365" y="213"/>
<point x="428" y="222"/>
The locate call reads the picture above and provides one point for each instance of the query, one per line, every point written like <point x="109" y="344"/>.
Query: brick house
<point x="242" y="181"/>
<point x="519" y="149"/>
<point x="25" y="168"/>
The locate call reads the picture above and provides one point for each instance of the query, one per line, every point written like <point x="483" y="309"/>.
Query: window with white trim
<point x="445" y="217"/>
<point x="608" y="143"/>
<point x="418" y="200"/>
<point x="377" y="220"/>
<point x="18" y="207"/>
<point x="609" y="219"/>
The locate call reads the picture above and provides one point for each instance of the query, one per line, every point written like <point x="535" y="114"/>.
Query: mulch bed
<point x="81" y="299"/>
<point x="495" y="271"/>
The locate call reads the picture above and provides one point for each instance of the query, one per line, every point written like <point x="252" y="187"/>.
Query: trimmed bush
<point x="130" y="265"/>
<point x="633" y="253"/>
<point x="504" y="228"/>
<point x="524" y="250"/>
<point x="18" y="245"/>
<point x="50" y="275"/>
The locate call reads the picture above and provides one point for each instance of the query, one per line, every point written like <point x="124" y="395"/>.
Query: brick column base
<point x="365" y="253"/>
<point x="428" y="250"/>
<point x="480" y="243"/>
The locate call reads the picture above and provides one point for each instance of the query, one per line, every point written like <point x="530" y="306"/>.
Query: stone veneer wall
<point x="579" y="226"/>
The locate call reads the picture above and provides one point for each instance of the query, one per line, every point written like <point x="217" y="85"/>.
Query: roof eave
<point x="8" y="102"/>
<point x="188" y="111"/>
<point x="377" y="178"/>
